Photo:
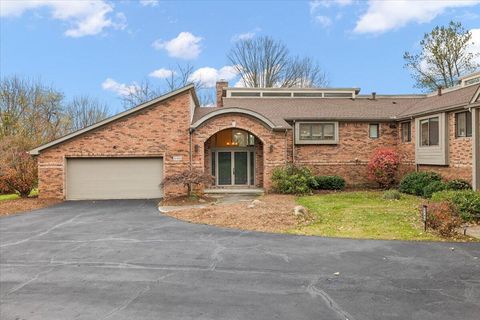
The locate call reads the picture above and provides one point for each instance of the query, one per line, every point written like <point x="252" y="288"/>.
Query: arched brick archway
<point x="274" y="144"/>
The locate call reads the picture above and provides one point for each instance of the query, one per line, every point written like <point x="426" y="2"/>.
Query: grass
<point x="13" y="196"/>
<point x="364" y="215"/>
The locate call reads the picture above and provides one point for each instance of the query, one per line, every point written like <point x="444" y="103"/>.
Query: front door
<point x="233" y="168"/>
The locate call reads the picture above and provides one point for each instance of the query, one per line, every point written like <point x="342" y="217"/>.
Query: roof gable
<point x="118" y="116"/>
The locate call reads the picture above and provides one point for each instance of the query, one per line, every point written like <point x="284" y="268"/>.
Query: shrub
<point x="458" y="184"/>
<point x="383" y="167"/>
<point x="188" y="179"/>
<point x="433" y="187"/>
<point x="443" y="217"/>
<point x="392" y="194"/>
<point x="292" y="180"/>
<point x="467" y="202"/>
<point x="415" y="182"/>
<point x="329" y="183"/>
<point x="19" y="174"/>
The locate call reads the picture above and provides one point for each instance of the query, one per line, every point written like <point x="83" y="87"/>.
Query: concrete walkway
<point x="124" y="260"/>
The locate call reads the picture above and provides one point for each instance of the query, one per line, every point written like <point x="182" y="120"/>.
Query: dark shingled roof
<point x="386" y="108"/>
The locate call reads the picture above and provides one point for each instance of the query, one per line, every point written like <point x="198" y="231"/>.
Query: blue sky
<point x="102" y="48"/>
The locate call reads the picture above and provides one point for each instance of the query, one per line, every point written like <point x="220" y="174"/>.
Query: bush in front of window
<point x="433" y="187"/>
<point x="415" y="182"/>
<point x="329" y="183"/>
<point x="458" y="184"/>
<point x="383" y="167"/>
<point x="292" y="180"/>
<point x="467" y="202"/>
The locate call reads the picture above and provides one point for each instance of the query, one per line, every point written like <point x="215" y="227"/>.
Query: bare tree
<point x="146" y="90"/>
<point x="30" y="111"/>
<point x="444" y="57"/>
<point x="83" y="111"/>
<point x="265" y="62"/>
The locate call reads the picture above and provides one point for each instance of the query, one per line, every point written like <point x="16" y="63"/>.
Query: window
<point x="317" y="131"/>
<point x="374" y="130"/>
<point x="429" y="132"/>
<point x="463" y="124"/>
<point x="233" y="138"/>
<point x="406" y="131"/>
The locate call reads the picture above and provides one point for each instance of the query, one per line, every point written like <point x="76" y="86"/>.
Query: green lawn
<point x="13" y="196"/>
<point x="364" y="215"/>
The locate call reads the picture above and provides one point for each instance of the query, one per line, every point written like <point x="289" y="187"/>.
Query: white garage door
<point x="114" y="178"/>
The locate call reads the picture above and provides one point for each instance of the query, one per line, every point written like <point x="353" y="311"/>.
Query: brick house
<point x="253" y="130"/>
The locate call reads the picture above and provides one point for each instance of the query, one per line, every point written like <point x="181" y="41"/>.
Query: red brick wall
<point x="271" y="158"/>
<point x="160" y="130"/>
<point x="348" y="158"/>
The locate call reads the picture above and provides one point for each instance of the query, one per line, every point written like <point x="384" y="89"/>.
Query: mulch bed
<point x="273" y="214"/>
<point x="8" y="207"/>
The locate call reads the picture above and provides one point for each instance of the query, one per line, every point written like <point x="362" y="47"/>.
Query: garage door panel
<point x="114" y="178"/>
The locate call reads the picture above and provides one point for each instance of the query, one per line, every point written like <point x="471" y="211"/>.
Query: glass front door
<point x="234" y="167"/>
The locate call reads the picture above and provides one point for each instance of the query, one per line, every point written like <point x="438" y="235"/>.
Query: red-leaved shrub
<point x="443" y="217"/>
<point x="19" y="173"/>
<point x="383" y="167"/>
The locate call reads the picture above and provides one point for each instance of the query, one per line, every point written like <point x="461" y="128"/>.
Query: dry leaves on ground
<point x="273" y="214"/>
<point x="8" y="207"/>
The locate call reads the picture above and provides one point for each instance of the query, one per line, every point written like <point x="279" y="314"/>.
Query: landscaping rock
<point x="300" y="211"/>
<point x="257" y="202"/>
<point x="251" y="206"/>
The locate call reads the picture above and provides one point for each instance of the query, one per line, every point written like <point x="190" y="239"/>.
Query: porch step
<point x="251" y="191"/>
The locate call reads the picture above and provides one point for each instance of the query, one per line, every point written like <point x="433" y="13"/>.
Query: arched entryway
<point x="234" y="157"/>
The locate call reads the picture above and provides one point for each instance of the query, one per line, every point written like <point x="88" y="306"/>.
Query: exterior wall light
<point x="197" y="148"/>
<point x="271" y="148"/>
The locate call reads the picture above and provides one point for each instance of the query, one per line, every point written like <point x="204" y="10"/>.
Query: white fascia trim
<point x="37" y="150"/>
<point x="233" y="110"/>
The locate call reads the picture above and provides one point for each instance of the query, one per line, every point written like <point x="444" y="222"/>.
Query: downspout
<point x="190" y="158"/>
<point x="293" y="143"/>
<point x="286" y="146"/>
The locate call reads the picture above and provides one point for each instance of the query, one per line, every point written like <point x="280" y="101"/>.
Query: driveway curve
<point x="124" y="260"/>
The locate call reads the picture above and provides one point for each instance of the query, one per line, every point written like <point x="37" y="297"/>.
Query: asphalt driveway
<point x="123" y="260"/>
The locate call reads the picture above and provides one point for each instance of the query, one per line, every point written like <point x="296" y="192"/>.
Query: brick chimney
<point x="439" y="90"/>
<point x="221" y="84"/>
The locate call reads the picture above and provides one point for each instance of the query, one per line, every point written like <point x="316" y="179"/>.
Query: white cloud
<point x="246" y="35"/>
<point x="85" y="18"/>
<point x="315" y="4"/>
<point x="184" y="46"/>
<point x="119" y="88"/>
<point x="382" y="16"/>
<point x="208" y="76"/>
<point x="151" y="3"/>
<point x="324" y="21"/>
<point x="162" y="73"/>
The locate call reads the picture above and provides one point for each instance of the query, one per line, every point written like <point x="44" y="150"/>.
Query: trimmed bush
<point x="392" y="194"/>
<point x="458" y="184"/>
<point x="443" y="217"/>
<point x="415" y="182"/>
<point x="329" y="183"/>
<point x="467" y="202"/>
<point x="292" y="180"/>
<point x="383" y="167"/>
<point x="433" y="187"/>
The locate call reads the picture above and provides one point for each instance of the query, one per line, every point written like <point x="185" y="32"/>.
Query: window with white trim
<point x="429" y="132"/>
<point x="463" y="124"/>
<point x="317" y="132"/>
<point x="374" y="130"/>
